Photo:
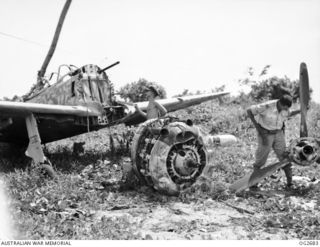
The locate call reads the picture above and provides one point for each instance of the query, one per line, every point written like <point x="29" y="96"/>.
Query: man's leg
<point x="263" y="150"/>
<point x="279" y="148"/>
<point x="288" y="171"/>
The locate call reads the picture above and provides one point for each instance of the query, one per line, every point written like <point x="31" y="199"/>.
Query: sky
<point x="180" y="44"/>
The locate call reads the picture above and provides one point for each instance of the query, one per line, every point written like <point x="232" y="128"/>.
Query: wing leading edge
<point x="22" y="109"/>
<point x="172" y="104"/>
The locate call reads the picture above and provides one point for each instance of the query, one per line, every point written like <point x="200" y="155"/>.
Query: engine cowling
<point x="170" y="155"/>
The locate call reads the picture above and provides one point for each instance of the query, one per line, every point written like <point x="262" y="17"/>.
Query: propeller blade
<point x="256" y="176"/>
<point x="304" y="98"/>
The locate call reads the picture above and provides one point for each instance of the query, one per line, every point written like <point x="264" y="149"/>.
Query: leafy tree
<point x="185" y="92"/>
<point x="136" y="91"/>
<point x="270" y="88"/>
<point x="218" y="89"/>
<point x="14" y="98"/>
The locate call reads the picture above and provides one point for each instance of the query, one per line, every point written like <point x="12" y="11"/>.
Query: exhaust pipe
<point x="219" y="140"/>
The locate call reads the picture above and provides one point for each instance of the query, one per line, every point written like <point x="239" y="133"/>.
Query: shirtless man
<point x="154" y="109"/>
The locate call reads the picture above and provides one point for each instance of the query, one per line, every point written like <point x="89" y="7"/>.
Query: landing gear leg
<point x="34" y="149"/>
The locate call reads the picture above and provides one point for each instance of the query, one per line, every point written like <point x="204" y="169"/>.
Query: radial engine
<point x="170" y="155"/>
<point x="304" y="151"/>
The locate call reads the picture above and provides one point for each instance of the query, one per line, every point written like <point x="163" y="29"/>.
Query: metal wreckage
<point x="303" y="151"/>
<point x="167" y="153"/>
<point x="170" y="155"/>
<point x="80" y="101"/>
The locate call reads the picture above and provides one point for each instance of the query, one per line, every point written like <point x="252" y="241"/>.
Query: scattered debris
<point x="239" y="209"/>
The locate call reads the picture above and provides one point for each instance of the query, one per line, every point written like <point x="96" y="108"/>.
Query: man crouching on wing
<point x="269" y="120"/>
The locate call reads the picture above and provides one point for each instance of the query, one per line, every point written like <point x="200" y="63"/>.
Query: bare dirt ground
<point x="176" y="220"/>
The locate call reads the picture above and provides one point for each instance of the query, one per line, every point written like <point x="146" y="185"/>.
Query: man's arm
<point x="260" y="130"/>
<point x="253" y="120"/>
<point x="293" y="113"/>
<point x="140" y="112"/>
<point x="162" y="110"/>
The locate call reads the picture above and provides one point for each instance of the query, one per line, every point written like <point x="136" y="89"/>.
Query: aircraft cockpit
<point x="78" y="85"/>
<point x="92" y="85"/>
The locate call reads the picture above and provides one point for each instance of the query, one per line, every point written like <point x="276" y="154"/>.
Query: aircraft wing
<point x="55" y="122"/>
<point x="172" y="104"/>
<point x="22" y="109"/>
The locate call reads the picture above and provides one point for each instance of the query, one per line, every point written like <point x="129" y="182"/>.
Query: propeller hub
<point x="304" y="151"/>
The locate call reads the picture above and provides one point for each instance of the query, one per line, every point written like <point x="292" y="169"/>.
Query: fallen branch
<point x="240" y="210"/>
<point x="120" y="207"/>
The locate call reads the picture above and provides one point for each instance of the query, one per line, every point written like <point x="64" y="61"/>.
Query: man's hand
<point x="286" y="154"/>
<point x="283" y="128"/>
<point x="137" y="108"/>
<point x="262" y="132"/>
<point x="253" y="120"/>
<point x="162" y="110"/>
<point x="139" y="111"/>
<point x="293" y="113"/>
